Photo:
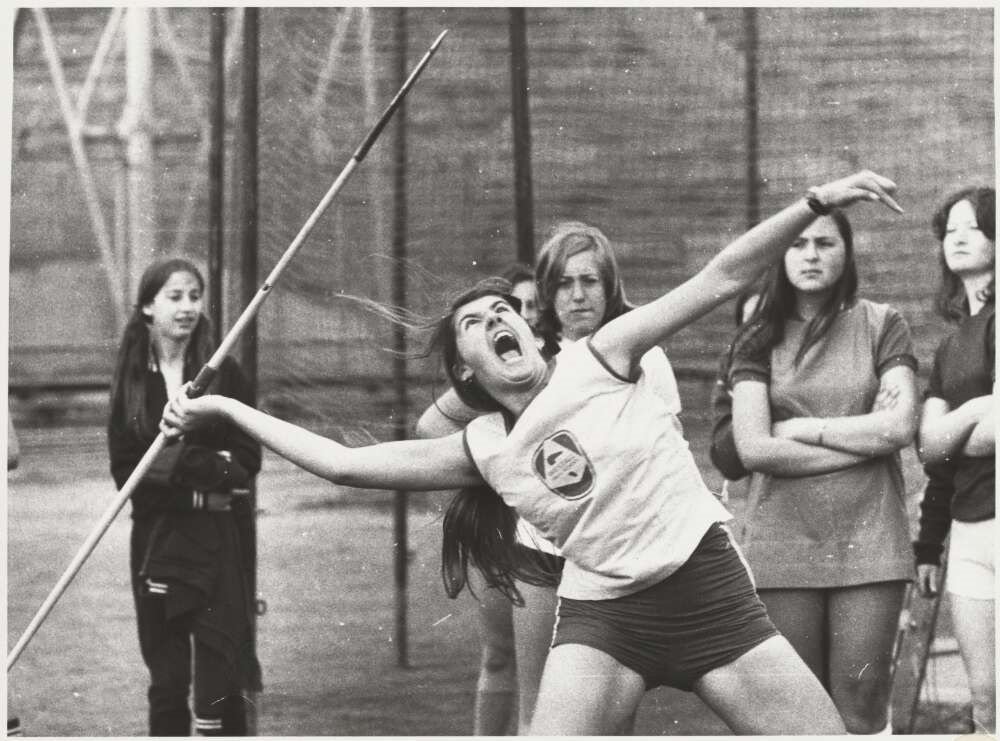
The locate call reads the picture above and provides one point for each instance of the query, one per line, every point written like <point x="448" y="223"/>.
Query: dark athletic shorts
<point x="703" y="616"/>
<point x="548" y="562"/>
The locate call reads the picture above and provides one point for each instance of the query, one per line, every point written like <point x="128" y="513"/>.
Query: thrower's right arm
<point x="414" y="465"/>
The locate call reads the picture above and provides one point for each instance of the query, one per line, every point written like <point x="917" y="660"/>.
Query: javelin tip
<point x="437" y="41"/>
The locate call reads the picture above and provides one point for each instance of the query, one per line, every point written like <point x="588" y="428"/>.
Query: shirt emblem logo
<point x="563" y="466"/>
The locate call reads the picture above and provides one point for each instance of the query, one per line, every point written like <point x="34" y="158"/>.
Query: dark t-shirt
<point x="964" y="369"/>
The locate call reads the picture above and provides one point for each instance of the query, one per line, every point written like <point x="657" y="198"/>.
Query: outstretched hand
<point x="182" y="413"/>
<point x="861" y="186"/>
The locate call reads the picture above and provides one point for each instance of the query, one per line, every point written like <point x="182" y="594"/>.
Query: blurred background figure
<point x="522" y="281"/>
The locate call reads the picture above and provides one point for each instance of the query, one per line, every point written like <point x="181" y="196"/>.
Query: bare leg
<point x="497" y="684"/>
<point x="800" y="616"/>
<point x="862" y="627"/>
<point x="769" y="690"/>
<point x="533" y="626"/>
<point x="585" y="692"/>
<point x="974" y="626"/>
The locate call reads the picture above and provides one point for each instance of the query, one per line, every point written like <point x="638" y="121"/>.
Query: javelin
<point x="207" y="373"/>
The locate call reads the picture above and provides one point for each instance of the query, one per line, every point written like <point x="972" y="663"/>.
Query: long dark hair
<point x="479" y="528"/>
<point x="951" y="301"/>
<point x="128" y="387"/>
<point x="567" y="239"/>
<point x="766" y="327"/>
<point x="480" y="531"/>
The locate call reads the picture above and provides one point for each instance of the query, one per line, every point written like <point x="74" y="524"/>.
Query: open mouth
<point x="506" y="346"/>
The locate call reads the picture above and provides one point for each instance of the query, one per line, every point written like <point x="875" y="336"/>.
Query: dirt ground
<point x="326" y="642"/>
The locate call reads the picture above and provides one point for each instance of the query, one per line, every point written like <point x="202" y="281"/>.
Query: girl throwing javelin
<point x="654" y="591"/>
<point x="579" y="289"/>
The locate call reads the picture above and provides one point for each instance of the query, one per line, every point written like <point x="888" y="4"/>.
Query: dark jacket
<point x="182" y="467"/>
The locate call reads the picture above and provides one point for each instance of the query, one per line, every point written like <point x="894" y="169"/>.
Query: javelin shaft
<point x="207" y="373"/>
<point x="394" y="103"/>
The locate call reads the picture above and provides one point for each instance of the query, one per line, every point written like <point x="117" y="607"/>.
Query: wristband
<point x="815" y="204"/>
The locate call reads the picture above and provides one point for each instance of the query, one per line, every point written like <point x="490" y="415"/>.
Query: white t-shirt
<point x="598" y="464"/>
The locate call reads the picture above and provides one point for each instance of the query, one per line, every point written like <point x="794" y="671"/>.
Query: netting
<point x="638" y="122"/>
<point x="320" y="64"/>
<point x="638" y="125"/>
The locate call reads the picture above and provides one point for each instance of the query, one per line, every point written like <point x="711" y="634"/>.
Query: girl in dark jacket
<point x="191" y="544"/>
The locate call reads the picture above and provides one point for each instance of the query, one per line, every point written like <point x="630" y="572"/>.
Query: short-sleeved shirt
<point x="844" y="527"/>
<point x="597" y="463"/>
<point x="964" y="368"/>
